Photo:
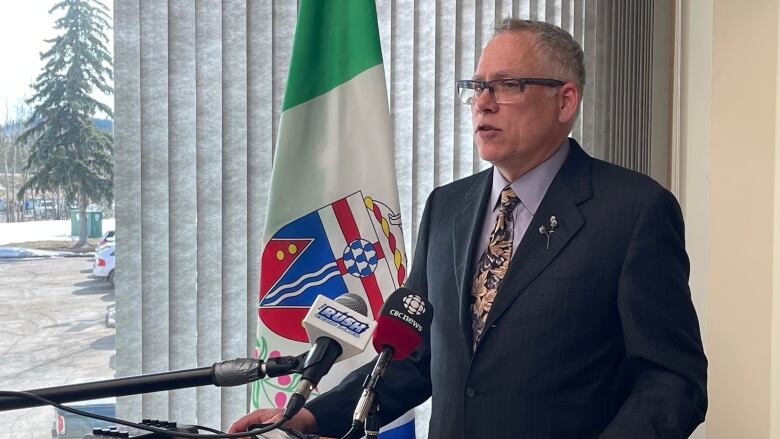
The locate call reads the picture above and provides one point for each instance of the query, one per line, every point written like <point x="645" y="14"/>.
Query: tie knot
<point x="508" y="199"/>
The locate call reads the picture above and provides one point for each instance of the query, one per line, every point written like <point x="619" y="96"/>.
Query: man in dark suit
<point x="560" y="282"/>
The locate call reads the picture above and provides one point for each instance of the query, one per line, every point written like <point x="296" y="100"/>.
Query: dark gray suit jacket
<point x="595" y="337"/>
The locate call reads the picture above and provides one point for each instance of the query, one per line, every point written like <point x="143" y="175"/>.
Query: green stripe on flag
<point x="335" y="40"/>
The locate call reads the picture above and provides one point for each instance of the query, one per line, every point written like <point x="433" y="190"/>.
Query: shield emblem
<point x="346" y="246"/>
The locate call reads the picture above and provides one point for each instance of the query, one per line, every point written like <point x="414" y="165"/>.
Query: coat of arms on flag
<point x="347" y="246"/>
<point x="352" y="245"/>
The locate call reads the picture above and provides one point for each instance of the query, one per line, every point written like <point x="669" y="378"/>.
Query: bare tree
<point x="5" y="148"/>
<point x="10" y="150"/>
<point x="14" y="153"/>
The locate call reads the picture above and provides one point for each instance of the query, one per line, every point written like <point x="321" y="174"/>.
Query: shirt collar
<point x="532" y="185"/>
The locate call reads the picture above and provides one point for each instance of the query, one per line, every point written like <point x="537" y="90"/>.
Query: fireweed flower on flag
<point x="333" y="224"/>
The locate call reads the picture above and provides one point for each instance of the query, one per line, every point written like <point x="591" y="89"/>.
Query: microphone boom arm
<point x="223" y="374"/>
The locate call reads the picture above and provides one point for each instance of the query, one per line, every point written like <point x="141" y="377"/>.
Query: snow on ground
<point x="55" y="230"/>
<point x="19" y="252"/>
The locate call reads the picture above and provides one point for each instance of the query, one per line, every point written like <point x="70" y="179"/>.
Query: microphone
<point x="338" y="329"/>
<point x="404" y="321"/>
<point x="226" y="373"/>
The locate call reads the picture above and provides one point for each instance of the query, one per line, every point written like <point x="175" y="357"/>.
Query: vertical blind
<point x="199" y="87"/>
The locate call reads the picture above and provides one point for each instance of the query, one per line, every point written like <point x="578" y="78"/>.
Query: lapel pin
<point x="548" y="232"/>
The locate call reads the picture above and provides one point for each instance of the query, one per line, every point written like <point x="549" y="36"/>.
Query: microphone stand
<point x="367" y="410"/>
<point x="226" y="373"/>
<point x="373" y="421"/>
<point x="372" y="384"/>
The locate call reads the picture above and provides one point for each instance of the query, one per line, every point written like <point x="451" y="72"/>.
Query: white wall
<point x="729" y="190"/>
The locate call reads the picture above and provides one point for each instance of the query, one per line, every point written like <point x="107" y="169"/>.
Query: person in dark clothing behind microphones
<point x="560" y="281"/>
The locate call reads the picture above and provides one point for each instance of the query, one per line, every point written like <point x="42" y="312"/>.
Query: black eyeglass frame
<point x="488" y="85"/>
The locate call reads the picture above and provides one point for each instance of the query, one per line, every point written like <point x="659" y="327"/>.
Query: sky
<point x="24" y="25"/>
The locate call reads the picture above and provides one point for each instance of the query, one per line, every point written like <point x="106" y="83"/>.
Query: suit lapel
<point x="466" y="229"/>
<point x="569" y="188"/>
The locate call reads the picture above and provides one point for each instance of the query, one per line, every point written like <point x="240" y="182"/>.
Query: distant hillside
<point x="104" y="124"/>
<point x="101" y="124"/>
<point x="11" y="128"/>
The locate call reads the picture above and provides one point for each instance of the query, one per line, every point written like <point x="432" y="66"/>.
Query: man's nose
<point x="484" y="102"/>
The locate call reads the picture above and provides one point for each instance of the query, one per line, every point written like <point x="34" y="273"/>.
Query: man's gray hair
<point x="555" y="44"/>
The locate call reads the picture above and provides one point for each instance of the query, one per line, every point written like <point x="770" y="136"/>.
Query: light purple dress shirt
<point x="530" y="188"/>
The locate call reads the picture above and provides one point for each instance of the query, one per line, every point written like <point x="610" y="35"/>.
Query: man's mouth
<point x="486" y="127"/>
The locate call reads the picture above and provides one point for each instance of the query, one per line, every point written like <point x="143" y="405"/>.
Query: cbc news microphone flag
<point x="333" y="224"/>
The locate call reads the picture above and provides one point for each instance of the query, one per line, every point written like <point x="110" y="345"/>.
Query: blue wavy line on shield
<point x="274" y="297"/>
<point x="317" y="255"/>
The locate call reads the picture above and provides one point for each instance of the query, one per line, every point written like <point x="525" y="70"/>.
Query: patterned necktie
<point x="493" y="264"/>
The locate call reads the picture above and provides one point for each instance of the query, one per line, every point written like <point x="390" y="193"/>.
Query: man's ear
<point x="569" y="98"/>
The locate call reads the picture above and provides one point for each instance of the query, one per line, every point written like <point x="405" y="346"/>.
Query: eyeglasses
<point x="503" y="91"/>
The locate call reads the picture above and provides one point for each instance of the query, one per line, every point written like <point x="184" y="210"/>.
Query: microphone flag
<point x="333" y="223"/>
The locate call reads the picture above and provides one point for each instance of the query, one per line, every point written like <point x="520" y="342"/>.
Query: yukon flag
<point x="333" y="224"/>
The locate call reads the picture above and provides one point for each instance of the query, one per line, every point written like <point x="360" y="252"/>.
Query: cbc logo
<point x="414" y="304"/>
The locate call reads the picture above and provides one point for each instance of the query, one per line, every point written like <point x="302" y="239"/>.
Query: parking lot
<point x="52" y="332"/>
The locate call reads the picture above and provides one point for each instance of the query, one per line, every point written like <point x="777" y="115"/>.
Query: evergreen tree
<point x="68" y="152"/>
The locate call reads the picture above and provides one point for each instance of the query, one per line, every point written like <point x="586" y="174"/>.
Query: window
<point x="57" y="311"/>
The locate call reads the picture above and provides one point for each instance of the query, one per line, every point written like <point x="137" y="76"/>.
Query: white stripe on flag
<point x="304" y="278"/>
<point x="332" y="229"/>
<point x="306" y="287"/>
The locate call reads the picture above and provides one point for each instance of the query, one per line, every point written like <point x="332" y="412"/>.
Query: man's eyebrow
<point x="504" y="74"/>
<point x="501" y="74"/>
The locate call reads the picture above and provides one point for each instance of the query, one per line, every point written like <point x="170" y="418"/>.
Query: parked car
<point x="105" y="261"/>
<point x="72" y="426"/>
<point x="106" y="238"/>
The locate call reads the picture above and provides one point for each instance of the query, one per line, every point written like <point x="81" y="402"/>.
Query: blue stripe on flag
<point x="405" y="431"/>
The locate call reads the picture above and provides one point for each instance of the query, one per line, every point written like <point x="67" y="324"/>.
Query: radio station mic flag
<point x="333" y="224"/>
